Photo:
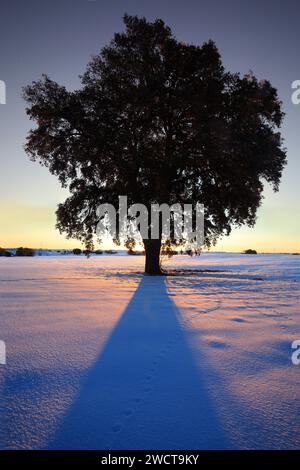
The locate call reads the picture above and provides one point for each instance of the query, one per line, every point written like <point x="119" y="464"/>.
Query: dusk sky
<point x="58" y="37"/>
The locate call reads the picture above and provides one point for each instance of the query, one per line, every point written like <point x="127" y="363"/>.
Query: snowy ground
<point x="99" y="356"/>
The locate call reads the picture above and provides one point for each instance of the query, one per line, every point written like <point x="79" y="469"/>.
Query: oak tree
<point x="160" y="121"/>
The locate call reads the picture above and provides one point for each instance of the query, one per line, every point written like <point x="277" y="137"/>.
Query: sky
<point x="58" y="37"/>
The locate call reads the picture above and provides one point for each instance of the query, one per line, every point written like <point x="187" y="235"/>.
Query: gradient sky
<point x="58" y="37"/>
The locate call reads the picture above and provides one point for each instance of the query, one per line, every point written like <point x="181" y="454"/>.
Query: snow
<point x="101" y="357"/>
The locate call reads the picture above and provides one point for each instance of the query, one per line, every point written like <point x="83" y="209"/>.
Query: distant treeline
<point x="21" y="251"/>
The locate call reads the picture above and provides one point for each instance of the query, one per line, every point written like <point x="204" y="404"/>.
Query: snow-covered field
<point x="99" y="356"/>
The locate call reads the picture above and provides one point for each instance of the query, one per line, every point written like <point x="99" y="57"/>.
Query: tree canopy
<point x="160" y="121"/>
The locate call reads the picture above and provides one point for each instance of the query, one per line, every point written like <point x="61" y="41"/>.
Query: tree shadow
<point x="144" y="390"/>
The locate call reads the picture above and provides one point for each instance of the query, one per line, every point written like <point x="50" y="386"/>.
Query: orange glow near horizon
<point x="34" y="226"/>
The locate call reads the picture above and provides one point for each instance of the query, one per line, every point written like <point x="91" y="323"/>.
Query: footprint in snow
<point x="117" y="428"/>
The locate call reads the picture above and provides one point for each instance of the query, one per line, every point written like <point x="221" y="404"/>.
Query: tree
<point x="5" y="253"/>
<point x="160" y="121"/>
<point x="24" y="251"/>
<point x="250" y="252"/>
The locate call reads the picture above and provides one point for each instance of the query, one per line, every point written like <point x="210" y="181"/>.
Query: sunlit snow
<point x="100" y="356"/>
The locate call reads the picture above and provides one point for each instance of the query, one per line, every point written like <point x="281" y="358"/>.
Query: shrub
<point x="169" y="252"/>
<point x="24" y="251"/>
<point x="250" y="252"/>
<point x="4" y="252"/>
<point x="87" y="253"/>
<point x="77" y="251"/>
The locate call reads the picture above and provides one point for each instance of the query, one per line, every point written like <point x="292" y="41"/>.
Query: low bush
<point x="4" y="252"/>
<point x="250" y="252"/>
<point x="21" y="251"/>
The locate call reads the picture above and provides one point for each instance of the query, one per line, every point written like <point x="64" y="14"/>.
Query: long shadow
<point x="144" y="391"/>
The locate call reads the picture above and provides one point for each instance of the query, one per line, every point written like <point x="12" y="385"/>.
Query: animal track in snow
<point x="146" y="390"/>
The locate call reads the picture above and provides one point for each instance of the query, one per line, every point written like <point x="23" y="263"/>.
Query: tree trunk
<point x="152" y="252"/>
